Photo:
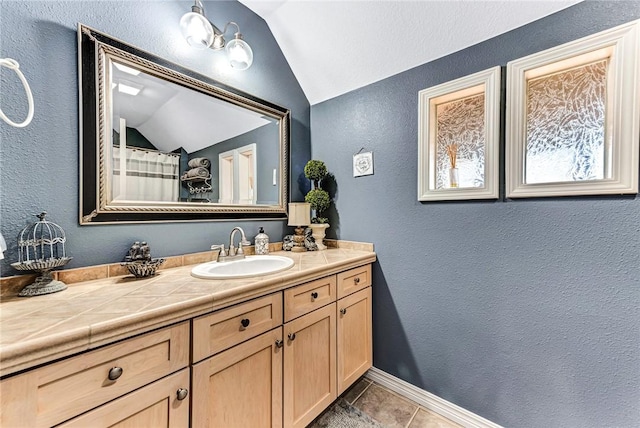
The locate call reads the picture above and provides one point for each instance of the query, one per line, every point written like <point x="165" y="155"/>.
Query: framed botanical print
<point x="458" y="138"/>
<point x="573" y="117"/>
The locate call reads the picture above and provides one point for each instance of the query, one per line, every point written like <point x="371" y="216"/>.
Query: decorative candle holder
<point x="41" y="248"/>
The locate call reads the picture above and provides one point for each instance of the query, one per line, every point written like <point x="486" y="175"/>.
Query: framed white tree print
<point x="458" y="138"/>
<point x="573" y="117"/>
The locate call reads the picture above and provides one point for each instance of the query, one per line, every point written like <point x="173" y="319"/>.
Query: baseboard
<point x="429" y="401"/>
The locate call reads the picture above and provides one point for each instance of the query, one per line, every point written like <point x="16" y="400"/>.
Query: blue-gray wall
<point x="39" y="164"/>
<point x="525" y="312"/>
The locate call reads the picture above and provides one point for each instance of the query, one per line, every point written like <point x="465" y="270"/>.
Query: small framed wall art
<point x="362" y="163"/>
<point x="573" y="117"/>
<point x="458" y="138"/>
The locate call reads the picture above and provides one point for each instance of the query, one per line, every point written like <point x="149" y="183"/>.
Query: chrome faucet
<point x="232" y="253"/>
<point x="243" y="241"/>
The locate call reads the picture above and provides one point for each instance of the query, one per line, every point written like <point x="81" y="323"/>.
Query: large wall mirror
<point x="159" y="142"/>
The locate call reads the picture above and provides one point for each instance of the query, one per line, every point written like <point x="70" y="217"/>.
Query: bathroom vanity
<point x="257" y="352"/>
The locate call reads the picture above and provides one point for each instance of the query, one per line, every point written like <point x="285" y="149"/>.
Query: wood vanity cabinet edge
<point x="62" y="390"/>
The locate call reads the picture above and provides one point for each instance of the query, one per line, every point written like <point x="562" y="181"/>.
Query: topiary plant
<point x="315" y="170"/>
<point x="319" y="199"/>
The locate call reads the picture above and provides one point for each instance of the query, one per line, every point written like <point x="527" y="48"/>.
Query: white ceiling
<point x="334" y="47"/>
<point x="172" y="116"/>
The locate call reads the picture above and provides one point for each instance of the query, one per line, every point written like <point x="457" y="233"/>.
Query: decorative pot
<point x="318" y="233"/>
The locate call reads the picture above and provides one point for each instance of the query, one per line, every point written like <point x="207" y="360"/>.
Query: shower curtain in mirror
<point x="150" y="175"/>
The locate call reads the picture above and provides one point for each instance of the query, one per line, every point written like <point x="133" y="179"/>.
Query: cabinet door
<point x="354" y="337"/>
<point x="309" y="366"/>
<point x="240" y="387"/>
<point x="164" y="403"/>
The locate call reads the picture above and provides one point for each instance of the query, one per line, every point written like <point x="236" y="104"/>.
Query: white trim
<point x="623" y="112"/>
<point x="487" y="82"/>
<point x="429" y="401"/>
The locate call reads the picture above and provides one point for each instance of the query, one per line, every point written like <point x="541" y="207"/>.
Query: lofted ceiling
<point x="334" y="47"/>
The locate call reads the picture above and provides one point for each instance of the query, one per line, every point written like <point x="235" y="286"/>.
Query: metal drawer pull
<point x="343" y="311"/>
<point x="115" y="373"/>
<point x="245" y="322"/>
<point x="182" y="394"/>
<point x="356" y="280"/>
<point x="314" y="295"/>
<point x="279" y="343"/>
<point x="291" y="336"/>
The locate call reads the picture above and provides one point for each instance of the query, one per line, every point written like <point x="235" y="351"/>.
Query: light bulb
<point x="197" y="30"/>
<point x="239" y="53"/>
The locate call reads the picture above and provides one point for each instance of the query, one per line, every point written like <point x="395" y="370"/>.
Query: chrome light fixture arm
<point x="202" y="33"/>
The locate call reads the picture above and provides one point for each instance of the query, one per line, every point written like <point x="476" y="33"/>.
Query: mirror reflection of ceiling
<point x="334" y="47"/>
<point x="191" y="114"/>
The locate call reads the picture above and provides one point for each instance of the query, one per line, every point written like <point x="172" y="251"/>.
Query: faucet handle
<point x="223" y="252"/>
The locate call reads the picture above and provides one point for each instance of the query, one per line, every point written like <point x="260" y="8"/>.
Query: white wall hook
<point x="13" y="65"/>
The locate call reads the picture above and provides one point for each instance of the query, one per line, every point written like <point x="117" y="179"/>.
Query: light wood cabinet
<point x="309" y="366"/>
<point x="272" y="361"/>
<point x="355" y="350"/>
<point x="54" y="393"/>
<point x="227" y="327"/>
<point x="240" y="387"/>
<point x="305" y="298"/>
<point x="353" y="280"/>
<point x="163" y="404"/>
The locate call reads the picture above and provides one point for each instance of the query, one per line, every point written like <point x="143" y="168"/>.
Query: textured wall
<point x="525" y="312"/>
<point x="39" y="164"/>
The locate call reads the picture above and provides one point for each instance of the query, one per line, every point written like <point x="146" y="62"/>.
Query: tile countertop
<point x="89" y="314"/>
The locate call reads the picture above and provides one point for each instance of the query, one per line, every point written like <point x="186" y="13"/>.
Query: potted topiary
<point x="319" y="200"/>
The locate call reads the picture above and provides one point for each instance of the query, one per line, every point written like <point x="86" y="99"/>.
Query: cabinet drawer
<point x="353" y="280"/>
<point x="305" y="298"/>
<point x="156" y="405"/>
<point x="59" y="391"/>
<point x="228" y="327"/>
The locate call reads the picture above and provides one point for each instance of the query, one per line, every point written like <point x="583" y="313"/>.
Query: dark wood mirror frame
<point x="95" y="50"/>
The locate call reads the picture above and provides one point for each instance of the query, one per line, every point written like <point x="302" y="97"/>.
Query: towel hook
<point x="13" y="65"/>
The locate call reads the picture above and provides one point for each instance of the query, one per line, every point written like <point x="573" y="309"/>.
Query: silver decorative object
<point x="41" y="249"/>
<point x="138" y="260"/>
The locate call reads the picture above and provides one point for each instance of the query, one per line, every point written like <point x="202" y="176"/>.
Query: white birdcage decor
<point x="41" y="248"/>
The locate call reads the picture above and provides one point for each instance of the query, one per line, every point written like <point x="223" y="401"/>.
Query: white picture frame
<point x="431" y="182"/>
<point x="613" y="167"/>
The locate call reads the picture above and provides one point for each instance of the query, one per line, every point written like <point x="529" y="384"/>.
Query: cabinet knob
<point x="182" y="394"/>
<point x="279" y="343"/>
<point x="245" y="322"/>
<point x="343" y="311"/>
<point x="356" y="280"/>
<point x="314" y="295"/>
<point x="115" y="373"/>
<point x="291" y="336"/>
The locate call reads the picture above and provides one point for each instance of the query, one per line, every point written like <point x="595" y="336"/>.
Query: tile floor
<point x="391" y="409"/>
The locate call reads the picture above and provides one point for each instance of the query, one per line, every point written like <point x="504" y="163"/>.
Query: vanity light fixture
<point x="200" y="33"/>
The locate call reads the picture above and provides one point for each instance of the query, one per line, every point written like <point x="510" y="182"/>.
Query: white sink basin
<point x="242" y="268"/>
